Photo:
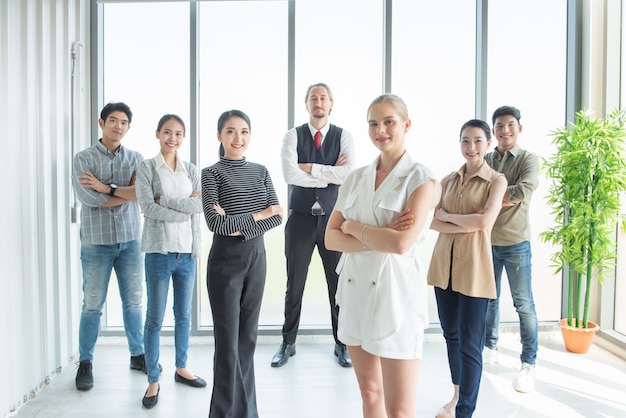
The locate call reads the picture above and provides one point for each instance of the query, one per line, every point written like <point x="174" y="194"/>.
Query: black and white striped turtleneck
<point x="241" y="188"/>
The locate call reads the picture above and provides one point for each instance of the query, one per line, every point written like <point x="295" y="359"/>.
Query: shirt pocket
<point x="393" y="202"/>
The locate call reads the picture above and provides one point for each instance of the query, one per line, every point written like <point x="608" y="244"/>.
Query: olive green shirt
<point x="521" y="169"/>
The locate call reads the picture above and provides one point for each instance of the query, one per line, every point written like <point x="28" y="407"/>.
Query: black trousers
<point x="302" y="234"/>
<point x="235" y="282"/>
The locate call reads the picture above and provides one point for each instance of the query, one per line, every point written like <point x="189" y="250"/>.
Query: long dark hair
<point x="227" y="115"/>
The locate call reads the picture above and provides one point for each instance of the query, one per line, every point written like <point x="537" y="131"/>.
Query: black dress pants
<point x="235" y="282"/>
<point x="302" y="234"/>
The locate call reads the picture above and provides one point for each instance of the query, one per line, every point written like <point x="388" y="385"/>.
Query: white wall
<point x="40" y="293"/>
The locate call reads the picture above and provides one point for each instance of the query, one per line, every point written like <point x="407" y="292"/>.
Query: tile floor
<point x="313" y="385"/>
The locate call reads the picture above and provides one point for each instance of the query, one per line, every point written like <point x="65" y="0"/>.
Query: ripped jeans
<point x="98" y="261"/>
<point x="516" y="259"/>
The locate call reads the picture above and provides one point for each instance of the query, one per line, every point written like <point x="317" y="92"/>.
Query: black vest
<point x="302" y="198"/>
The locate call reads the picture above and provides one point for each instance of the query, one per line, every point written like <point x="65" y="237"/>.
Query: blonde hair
<point x="395" y="101"/>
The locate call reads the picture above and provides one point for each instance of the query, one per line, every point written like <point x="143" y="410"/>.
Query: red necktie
<point x="318" y="139"/>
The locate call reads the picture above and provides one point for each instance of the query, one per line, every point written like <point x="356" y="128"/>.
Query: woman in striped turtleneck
<point x="240" y="205"/>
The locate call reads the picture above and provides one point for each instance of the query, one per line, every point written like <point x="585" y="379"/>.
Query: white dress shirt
<point x="321" y="175"/>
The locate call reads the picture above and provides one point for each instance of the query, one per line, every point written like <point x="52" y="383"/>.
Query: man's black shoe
<point x="285" y="351"/>
<point x="343" y="357"/>
<point x="139" y="363"/>
<point x="84" y="376"/>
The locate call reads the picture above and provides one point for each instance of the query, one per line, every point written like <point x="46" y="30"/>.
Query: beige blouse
<point x="465" y="258"/>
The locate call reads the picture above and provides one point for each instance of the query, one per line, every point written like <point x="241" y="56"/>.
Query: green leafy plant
<point x="588" y="174"/>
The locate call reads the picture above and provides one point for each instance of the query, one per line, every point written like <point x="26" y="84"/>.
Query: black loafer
<point x="149" y="401"/>
<point x="343" y="357"/>
<point x="198" y="382"/>
<point x="285" y="351"/>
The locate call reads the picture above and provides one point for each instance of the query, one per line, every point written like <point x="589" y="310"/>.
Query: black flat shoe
<point x="149" y="401"/>
<point x="198" y="382"/>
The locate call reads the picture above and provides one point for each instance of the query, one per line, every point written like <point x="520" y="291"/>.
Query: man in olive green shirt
<point x="510" y="240"/>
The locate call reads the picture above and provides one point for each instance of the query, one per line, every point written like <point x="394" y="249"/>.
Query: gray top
<point x="172" y="209"/>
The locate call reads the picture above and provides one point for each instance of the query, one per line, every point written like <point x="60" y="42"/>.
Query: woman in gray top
<point x="168" y="192"/>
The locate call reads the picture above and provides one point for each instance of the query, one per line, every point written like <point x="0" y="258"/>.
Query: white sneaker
<point x="490" y="355"/>
<point x="525" y="381"/>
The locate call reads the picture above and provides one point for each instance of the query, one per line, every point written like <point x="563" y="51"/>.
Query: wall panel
<point x="41" y="294"/>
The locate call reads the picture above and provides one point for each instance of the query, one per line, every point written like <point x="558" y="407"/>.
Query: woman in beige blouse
<point x="461" y="268"/>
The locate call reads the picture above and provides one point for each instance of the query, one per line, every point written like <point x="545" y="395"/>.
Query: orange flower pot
<point x="578" y="340"/>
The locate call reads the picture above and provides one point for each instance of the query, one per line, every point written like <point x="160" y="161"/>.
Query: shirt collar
<point x="160" y="162"/>
<point x="324" y="130"/>
<point x="484" y="172"/>
<point x="513" y="151"/>
<point x="402" y="168"/>
<point x="103" y="148"/>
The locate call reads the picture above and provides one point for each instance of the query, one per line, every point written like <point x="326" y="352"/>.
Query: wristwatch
<point x="113" y="187"/>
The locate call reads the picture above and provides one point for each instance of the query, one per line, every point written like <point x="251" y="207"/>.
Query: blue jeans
<point x="97" y="262"/>
<point x="516" y="259"/>
<point x="159" y="268"/>
<point x="462" y="320"/>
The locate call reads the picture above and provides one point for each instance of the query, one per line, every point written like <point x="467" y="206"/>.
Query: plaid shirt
<point x="107" y="226"/>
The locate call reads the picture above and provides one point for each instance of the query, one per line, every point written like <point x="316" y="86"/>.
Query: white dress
<point x="382" y="297"/>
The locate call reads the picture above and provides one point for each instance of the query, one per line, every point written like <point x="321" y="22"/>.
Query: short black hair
<point x="116" y="107"/>
<point x="506" y="110"/>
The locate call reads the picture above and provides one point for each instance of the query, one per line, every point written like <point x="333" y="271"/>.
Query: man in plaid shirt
<point x="104" y="182"/>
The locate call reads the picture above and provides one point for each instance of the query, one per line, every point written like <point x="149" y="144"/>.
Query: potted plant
<point x="588" y="174"/>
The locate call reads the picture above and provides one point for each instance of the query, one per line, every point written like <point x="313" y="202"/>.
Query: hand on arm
<point x="308" y="167"/>
<point x="340" y="235"/>
<point x="268" y="212"/>
<point x="397" y="238"/>
<point x="293" y="173"/>
<point x="402" y="220"/>
<point x="89" y="181"/>
<point x="505" y="198"/>
<point x="451" y="223"/>
<point x="337" y="173"/>
<point x="525" y="185"/>
<point x="342" y="160"/>
<point x="338" y="240"/>
<point x="220" y="211"/>
<point x="122" y="195"/>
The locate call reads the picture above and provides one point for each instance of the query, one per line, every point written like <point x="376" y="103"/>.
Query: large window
<point x="246" y="48"/>
<point x="433" y="70"/>
<point x="526" y="69"/>
<point x="243" y="65"/>
<point x="146" y="65"/>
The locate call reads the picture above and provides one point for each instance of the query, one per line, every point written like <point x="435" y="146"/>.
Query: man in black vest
<point x="316" y="159"/>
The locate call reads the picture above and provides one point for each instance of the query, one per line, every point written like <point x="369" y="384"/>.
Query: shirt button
<point x="373" y="283"/>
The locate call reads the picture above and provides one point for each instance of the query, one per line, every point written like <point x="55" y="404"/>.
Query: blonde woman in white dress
<point x="377" y="223"/>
